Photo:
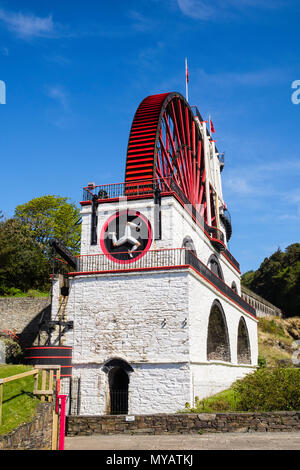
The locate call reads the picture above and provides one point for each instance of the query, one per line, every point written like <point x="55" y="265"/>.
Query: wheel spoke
<point x="166" y="143"/>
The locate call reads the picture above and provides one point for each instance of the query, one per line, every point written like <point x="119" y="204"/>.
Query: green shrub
<point x="269" y="390"/>
<point x="270" y="326"/>
<point x="13" y="351"/>
<point x="261" y="361"/>
<point x="10" y="291"/>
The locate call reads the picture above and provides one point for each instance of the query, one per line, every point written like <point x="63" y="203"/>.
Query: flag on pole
<point x="211" y="126"/>
<point x="186" y="80"/>
<point x="186" y="71"/>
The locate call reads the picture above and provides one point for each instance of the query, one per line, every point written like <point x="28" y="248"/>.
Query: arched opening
<point x="233" y="286"/>
<point x="118" y="372"/>
<point x="243" y="344"/>
<point x="215" y="267"/>
<point x="218" y="347"/>
<point x="189" y="244"/>
<point x="118" y="389"/>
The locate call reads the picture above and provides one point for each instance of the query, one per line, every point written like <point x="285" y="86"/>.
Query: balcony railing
<point x="147" y="188"/>
<point x="171" y="258"/>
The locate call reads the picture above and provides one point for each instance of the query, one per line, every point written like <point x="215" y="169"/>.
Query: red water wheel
<point x="166" y="144"/>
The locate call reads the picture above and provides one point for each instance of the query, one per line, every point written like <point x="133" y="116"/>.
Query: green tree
<point x="51" y="217"/>
<point x="23" y="264"/>
<point x="247" y="278"/>
<point x="278" y="279"/>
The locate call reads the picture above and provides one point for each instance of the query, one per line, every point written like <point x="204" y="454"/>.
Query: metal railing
<point x="158" y="259"/>
<point x="118" y="402"/>
<point x="152" y="259"/>
<point x="127" y="189"/>
<point x="147" y="188"/>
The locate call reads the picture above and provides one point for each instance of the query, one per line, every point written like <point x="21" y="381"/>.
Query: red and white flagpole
<point x="186" y="80"/>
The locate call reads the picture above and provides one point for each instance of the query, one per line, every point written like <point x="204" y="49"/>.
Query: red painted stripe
<point x="138" y="150"/>
<point x="49" y="347"/>
<point x="48" y="357"/>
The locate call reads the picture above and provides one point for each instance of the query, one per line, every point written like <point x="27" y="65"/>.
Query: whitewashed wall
<point x="155" y="320"/>
<point x="123" y="316"/>
<point x="209" y="377"/>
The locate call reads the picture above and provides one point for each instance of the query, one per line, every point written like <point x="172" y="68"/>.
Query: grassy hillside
<point x="275" y="339"/>
<point x="19" y="404"/>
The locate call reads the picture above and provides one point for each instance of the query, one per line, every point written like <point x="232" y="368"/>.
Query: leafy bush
<point x="13" y="351"/>
<point x="261" y="361"/>
<point x="269" y="390"/>
<point x="270" y="326"/>
<point x="223" y="401"/>
<point x="10" y="291"/>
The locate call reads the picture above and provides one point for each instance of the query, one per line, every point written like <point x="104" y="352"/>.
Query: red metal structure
<point x="165" y="143"/>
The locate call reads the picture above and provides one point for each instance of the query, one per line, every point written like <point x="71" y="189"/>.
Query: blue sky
<point x="75" y="73"/>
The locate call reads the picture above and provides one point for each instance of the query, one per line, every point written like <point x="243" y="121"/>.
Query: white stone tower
<point x="155" y="298"/>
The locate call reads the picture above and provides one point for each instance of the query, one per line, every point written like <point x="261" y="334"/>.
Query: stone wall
<point x="36" y="435"/>
<point x="184" y="423"/>
<point x="22" y="315"/>
<point x="263" y="307"/>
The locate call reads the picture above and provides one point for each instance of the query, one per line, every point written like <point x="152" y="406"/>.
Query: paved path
<point x="212" y="441"/>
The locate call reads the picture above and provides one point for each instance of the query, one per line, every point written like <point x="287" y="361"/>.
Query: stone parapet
<point x="184" y="423"/>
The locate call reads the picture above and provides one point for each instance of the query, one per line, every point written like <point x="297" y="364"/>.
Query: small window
<point x="215" y="267"/>
<point x="233" y="287"/>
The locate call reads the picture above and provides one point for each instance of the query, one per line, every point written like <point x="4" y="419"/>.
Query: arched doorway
<point x="118" y="372"/>
<point x="118" y="390"/>
<point x="217" y="335"/>
<point x="243" y="344"/>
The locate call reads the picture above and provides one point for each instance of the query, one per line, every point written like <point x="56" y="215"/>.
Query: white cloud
<point x="27" y="26"/>
<point x="211" y="10"/>
<point x="59" y="94"/>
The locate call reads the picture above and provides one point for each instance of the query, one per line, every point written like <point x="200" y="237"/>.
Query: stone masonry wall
<point x="36" y="435"/>
<point x="185" y="423"/>
<point x="22" y="315"/>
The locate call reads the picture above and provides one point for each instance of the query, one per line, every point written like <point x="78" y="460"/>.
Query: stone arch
<point x="116" y="362"/>
<point x="118" y="372"/>
<point x="243" y="343"/>
<point x="218" y="347"/>
<point x="215" y="266"/>
<point x="189" y="244"/>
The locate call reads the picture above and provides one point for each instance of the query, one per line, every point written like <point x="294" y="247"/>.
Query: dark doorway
<point x="118" y="387"/>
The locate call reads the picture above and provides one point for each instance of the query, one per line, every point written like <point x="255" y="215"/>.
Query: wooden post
<point x="50" y="387"/>
<point x="43" y="383"/>
<point x="1" y="399"/>
<point x="54" y="430"/>
<point x="36" y="381"/>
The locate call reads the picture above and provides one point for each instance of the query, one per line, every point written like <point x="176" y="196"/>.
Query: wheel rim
<point x="165" y="143"/>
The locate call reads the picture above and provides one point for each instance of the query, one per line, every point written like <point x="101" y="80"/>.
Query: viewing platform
<point x="154" y="189"/>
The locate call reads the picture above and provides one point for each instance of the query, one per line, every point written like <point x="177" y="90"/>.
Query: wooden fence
<point x="50" y="389"/>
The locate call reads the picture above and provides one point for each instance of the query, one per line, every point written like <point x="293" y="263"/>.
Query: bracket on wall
<point x="94" y="220"/>
<point x="157" y="213"/>
<point x="49" y="328"/>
